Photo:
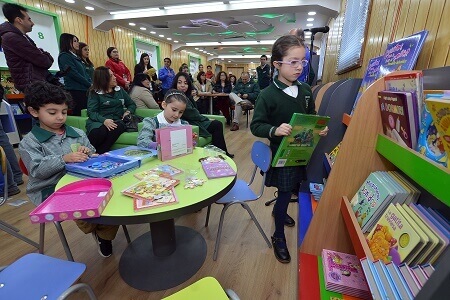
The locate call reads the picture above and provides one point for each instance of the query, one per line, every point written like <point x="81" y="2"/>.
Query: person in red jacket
<point x="121" y="72"/>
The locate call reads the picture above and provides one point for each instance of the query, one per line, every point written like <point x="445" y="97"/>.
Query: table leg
<point x="163" y="258"/>
<point x="210" y="105"/>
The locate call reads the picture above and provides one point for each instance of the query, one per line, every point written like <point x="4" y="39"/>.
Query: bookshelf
<point x="365" y="149"/>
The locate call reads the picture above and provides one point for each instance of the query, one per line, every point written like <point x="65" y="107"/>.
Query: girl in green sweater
<point x="274" y="108"/>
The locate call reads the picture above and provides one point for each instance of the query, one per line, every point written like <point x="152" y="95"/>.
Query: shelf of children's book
<point x="346" y="118"/>
<point x="354" y="230"/>
<point x="425" y="172"/>
<point x="15" y="96"/>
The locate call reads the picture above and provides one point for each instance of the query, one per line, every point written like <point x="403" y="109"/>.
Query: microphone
<point x="324" y="29"/>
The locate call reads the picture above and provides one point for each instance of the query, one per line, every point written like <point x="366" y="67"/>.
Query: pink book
<point x="216" y="167"/>
<point x="78" y="200"/>
<point x="174" y="141"/>
<point x="343" y="273"/>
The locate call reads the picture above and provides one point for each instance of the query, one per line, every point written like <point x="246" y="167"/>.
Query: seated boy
<point x="50" y="145"/>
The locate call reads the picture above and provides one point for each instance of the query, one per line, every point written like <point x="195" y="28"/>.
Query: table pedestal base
<point x="142" y="270"/>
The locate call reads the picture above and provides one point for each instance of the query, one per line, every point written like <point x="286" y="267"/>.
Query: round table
<point x="168" y="255"/>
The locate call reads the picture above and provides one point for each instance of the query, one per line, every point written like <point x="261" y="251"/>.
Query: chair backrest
<point x="261" y="155"/>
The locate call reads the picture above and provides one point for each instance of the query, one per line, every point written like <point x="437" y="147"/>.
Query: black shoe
<point x="230" y="155"/>
<point x="289" y="222"/>
<point x="280" y="250"/>
<point x="19" y="181"/>
<point x="104" y="246"/>
<point x="13" y="191"/>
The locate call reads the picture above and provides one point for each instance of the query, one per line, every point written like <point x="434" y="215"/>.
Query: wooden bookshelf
<point x="346" y="118"/>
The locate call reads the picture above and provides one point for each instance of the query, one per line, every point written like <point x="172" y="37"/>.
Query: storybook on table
<point x="216" y="167"/>
<point x="297" y="148"/>
<point x="174" y="141"/>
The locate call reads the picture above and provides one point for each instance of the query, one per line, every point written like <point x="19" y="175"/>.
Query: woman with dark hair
<point x="223" y="88"/>
<point x="76" y="81"/>
<point x="140" y="92"/>
<point x="232" y="80"/>
<point x="208" y="128"/>
<point x="204" y="89"/>
<point x="83" y="53"/>
<point x="108" y="104"/>
<point x="144" y="67"/>
<point x="120" y="71"/>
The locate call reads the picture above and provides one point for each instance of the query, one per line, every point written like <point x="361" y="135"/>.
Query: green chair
<point x="205" y="289"/>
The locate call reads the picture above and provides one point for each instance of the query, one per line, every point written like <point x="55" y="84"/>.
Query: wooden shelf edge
<point x="346" y="118"/>
<point x="14" y="96"/>
<point x="422" y="170"/>
<point x="357" y="237"/>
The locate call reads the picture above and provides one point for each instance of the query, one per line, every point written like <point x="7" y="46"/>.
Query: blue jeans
<point x="14" y="174"/>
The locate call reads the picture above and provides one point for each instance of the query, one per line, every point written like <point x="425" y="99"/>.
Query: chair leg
<point x="63" y="239"/>
<point x="41" y="237"/>
<point x="125" y="231"/>
<point x="219" y="231"/>
<point x="78" y="287"/>
<point x="250" y="212"/>
<point x="14" y="232"/>
<point x="207" y="215"/>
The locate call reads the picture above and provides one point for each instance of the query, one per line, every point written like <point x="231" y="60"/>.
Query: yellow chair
<point x="205" y="289"/>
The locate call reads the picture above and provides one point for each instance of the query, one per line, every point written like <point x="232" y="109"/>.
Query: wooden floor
<point x="245" y="263"/>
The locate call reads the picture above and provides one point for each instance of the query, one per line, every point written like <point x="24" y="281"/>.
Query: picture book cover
<point x="370" y="278"/>
<point x="399" y="281"/>
<point x="133" y="152"/>
<point x="343" y="273"/>
<point x="324" y="293"/>
<point x="102" y="166"/>
<point x="174" y="141"/>
<point x="391" y="292"/>
<point x="333" y="154"/>
<point x="162" y="170"/>
<point x="370" y="200"/>
<point x="150" y="188"/>
<point x="392" y="238"/>
<point x="297" y="148"/>
<point x="166" y="197"/>
<point x="440" y="112"/>
<point x="397" y="117"/>
<point x="402" y="54"/>
<point x="216" y="167"/>
<point x="371" y="75"/>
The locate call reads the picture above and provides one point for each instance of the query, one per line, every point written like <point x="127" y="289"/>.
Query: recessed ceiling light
<point x="196" y="48"/>
<point x="119" y="30"/>
<point x="309" y="25"/>
<point x="70" y="1"/>
<point x="89" y="8"/>
<point x="161" y="35"/>
<point x="169" y="39"/>
<point x="229" y="61"/>
<point x="143" y="28"/>
<point x="312" y="13"/>
<point x="310" y="19"/>
<point x="307" y="32"/>
<point x="152" y="32"/>
<point x="251" y="62"/>
<point x="132" y="24"/>
<point x="222" y="58"/>
<point x="175" y="41"/>
<point x="129" y="33"/>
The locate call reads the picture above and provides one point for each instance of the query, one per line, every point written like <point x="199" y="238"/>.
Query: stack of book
<point x="343" y="274"/>
<point x="316" y="190"/>
<point x="389" y="281"/>
<point x="377" y="192"/>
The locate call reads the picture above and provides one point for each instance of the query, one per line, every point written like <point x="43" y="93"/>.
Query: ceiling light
<point x="309" y="25"/>
<point x="310" y="19"/>
<point x="307" y="33"/>
<point x="231" y="43"/>
<point x="196" y="48"/>
<point x="228" y="61"/>
<point x="143" y="28"/>
<point x="153" y="9"/>
<point x="89" y="8"/>
<point x="130" y="33"/>
<point x="132" y="24"/>
<point x="251" y="62"/>
<point x="152" y="32"/>
<point x="169" y="39"/>
<point x="312" y="13"/>
<point x="161" y="35"/>
<point x="175" y="41"/>
<point x="119" y="30"/>
<point x="70" y="1"/>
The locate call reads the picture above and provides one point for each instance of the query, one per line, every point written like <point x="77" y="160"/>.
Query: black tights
<point x="216" y="130"/>
<point x="102" y="139"/>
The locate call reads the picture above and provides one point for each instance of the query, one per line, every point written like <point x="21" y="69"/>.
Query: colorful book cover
<point x="133" y="152"/>
<point x="161" y="170"/>
<point x="399" y="282"/>
<point x="102" y="166"/>
<point x="370" y="199"/>
<point x="440" y="112"/>
<point x="174" y="141"/>
<point x="397" y="117"/>
<point x="216" y="167"/>
<point x="392" y="238"/>
<point x="402" y="54"/>
<point x="166" y="197"/>
<point x="371" y="75"/>
<point x="324" y="292"/>
<point x="297" y="148"/>
<point x="333" y="154"/>
<point x="343" y="274"/>
<point x="150" y="188"/>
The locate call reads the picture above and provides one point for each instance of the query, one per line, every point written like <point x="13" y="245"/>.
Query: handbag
<point x="131" y="122"/>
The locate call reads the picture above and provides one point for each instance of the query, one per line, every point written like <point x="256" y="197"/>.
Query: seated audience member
<point x="223" y="86"/>
<point x="145" y="67"/>
<point x="119" y="69"/>
<point x="232" y="80"/>
<point x="185" y="69"/>
<point x="208" y="128"/>
<point x="49" y="146"/>
<point x="204" y="89"/>
<point x="140" y="92"/>
<point x="174" y="105"/>
<point x="245" y="89"/>
<point x="107" y="105"/>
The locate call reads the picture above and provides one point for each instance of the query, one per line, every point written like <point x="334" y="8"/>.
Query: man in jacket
<point x="166" y="75"/>
<point x="263" y="73"/>
<point x="244" y="94"/>
<point x="26" y="62"/>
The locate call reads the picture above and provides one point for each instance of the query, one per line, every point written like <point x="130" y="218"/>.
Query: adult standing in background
<point x="83" y="53"/>
<point x="200" y="69"/>
<point x="121" y="72"/>
<point x="263" y="73"/>
<point x="307" y="74"/>
<point x="76" y="80"/>
<point x="166" y="75"/>
<point x="209" y="73"/>
<point x="140" y="92"/>
<point x="26" y="62"/>
<point x="144" y="66"/>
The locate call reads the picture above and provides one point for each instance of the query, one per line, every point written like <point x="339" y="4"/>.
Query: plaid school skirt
<point x="285" y="179"/>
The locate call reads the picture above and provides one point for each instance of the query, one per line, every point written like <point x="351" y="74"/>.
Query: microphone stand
<point x="310" y="56"/>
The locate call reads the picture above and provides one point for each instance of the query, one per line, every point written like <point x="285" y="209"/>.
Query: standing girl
<point x="83" y="53"/>
<point x="223" y="86"/>
<point x="76" y="81"/>
<point x="274" y="108"/>
<point x="174" y="105"/>
<point x="119" y="69"/>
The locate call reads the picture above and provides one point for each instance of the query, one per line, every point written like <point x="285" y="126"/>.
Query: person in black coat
<point x="144" y="67"/>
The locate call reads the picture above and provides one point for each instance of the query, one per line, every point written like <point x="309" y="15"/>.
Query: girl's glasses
<point x="295" y="63"/>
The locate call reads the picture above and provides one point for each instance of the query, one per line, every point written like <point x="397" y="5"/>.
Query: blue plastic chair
<point x="241" y="192"/>
<point x="37" y="276"/>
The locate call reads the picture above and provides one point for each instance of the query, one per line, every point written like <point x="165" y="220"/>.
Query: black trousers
<point x="103" y="139"/>
<point x="216" y="130"/>
<point x="79" y="101"/>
